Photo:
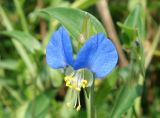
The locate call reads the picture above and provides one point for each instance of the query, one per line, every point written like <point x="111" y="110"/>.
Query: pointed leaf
<point x="72" y="19"/>
<point x="126" y="99"/>
<point x="38" y="107"/>
<point x="26" y="39"/>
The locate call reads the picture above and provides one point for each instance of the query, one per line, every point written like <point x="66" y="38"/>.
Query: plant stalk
<point x="90" y="102"/>
<point x="21" y="15"/>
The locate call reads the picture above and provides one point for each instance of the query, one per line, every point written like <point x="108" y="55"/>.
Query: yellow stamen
<point x="68" y="78"/>
<point x="68" y="83"/>
<point x="78" y="108"/>
<point x="84" y="83"/>
<point x="76" y="82"/>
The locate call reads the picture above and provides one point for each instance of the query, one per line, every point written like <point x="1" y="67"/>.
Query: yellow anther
<point x="68" y="83"/>
<point x="84" y="83"/>
<point x="78" y="108"/>
<point x="68" y="78"/>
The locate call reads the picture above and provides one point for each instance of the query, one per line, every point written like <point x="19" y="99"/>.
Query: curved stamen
<point x="76" y="81"/>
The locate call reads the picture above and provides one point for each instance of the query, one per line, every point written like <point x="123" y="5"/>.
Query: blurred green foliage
<point x="30" y="89"/>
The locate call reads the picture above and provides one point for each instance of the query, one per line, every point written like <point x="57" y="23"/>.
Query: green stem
<point x="90" y="102"/>
<point x="21" y="15"/>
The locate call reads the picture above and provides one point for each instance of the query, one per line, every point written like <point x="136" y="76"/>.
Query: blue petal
<point x="98" y="54"/>
<point x="59" y="50"/>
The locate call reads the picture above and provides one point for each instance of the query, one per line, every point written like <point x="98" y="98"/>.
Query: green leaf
<point x="126" y="99"/>
<point x="128" y="34"/>
<point x="20" y="111"/>
<point x="133" y="17"/>
<point x="133" y="25"/>
<point x="104" y="92"/>
<point x="106" y="86"/>
<point x="82" y="4"/>
<point x="133" y="3"/>
<point x="73" y="19"/>
<point x="26" y="39"/>
<point x="9" y="64"/>
<point x="38" y="108"/>
<point x="4" y="81"/>
<point x="56" y="77"/>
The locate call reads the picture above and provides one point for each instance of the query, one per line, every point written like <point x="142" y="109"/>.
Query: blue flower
<point x="98" y="55"/>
